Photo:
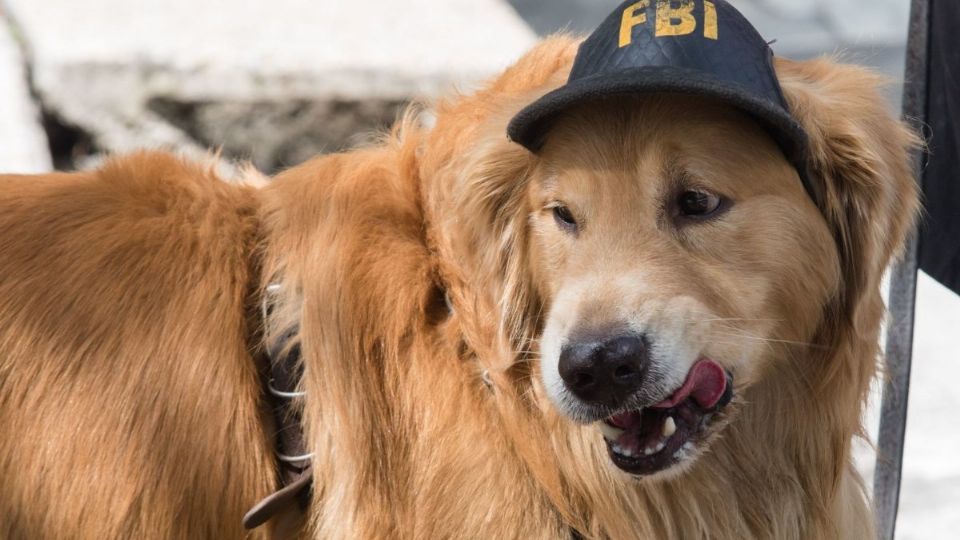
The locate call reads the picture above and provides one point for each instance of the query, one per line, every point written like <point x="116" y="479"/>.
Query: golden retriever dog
<point x="444" y="286"/>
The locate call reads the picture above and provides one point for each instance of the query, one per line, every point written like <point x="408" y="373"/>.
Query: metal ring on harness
<point x="281" y="394"/>
<point x="294" y="459"/>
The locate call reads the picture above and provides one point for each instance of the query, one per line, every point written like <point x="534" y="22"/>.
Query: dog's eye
<point x="693" y="203"/>
<point x="564" y="218"/>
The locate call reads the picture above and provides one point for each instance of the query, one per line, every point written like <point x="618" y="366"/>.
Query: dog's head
<point x="672" y="242"/>
<point x="663" y="252"/>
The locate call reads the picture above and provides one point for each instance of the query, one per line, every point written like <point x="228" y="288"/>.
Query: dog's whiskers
<point x="740" y="319"/>
<point x="769" y="340"/>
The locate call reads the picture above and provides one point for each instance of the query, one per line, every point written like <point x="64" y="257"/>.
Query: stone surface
<point x="261" y="79"/>
<point x="24" y="148"/>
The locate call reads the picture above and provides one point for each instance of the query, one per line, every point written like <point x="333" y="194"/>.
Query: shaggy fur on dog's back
<point x="128" y="386"/>
<point x="128" y="397"/>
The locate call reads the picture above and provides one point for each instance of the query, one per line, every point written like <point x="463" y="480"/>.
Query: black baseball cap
<point x="697" y="47"/>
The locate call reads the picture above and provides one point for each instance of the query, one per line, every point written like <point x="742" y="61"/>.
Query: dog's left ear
<point x="860" y="156"/>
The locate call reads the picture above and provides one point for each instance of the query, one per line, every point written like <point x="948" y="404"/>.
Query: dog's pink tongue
<point x="706" y="382"/>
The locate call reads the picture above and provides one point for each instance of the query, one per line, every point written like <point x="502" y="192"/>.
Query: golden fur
<point x="128" y="396"/>
<point x="129" y="402"/>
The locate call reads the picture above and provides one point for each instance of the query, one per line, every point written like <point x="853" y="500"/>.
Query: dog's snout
<point x="605" y="372"/>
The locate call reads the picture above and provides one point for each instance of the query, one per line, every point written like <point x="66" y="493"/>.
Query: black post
<point x="903" y="290"/>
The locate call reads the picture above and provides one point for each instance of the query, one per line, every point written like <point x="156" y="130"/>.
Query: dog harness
<point x="280" y="371"/>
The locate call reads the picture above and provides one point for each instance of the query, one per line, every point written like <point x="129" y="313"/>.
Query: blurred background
<point x="279" y="81"/>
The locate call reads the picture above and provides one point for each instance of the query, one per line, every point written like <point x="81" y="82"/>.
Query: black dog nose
<point x="605" y="372"/>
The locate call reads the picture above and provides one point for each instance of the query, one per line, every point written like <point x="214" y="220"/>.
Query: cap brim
<point x="530" y="126"/>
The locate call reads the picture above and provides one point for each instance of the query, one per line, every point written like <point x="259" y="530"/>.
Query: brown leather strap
<point x="278" y="500"/>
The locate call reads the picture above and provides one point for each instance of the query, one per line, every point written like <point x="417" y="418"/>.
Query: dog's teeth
<point x="627" y="452"/>
<point x="660" y="446"/>
<point x="647" y="451"/>
<point x="669" y="427"/>
<point x="610" y="433"/>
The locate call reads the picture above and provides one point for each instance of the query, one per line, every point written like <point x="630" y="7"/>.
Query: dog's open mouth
<point x="648" y="440"/>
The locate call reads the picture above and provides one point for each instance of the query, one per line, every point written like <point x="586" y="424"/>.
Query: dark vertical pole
<point x="903" y="290"/>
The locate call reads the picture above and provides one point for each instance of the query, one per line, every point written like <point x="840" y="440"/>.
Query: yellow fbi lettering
<point x="634" y="15"/>
<point x="673" y="18"/>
